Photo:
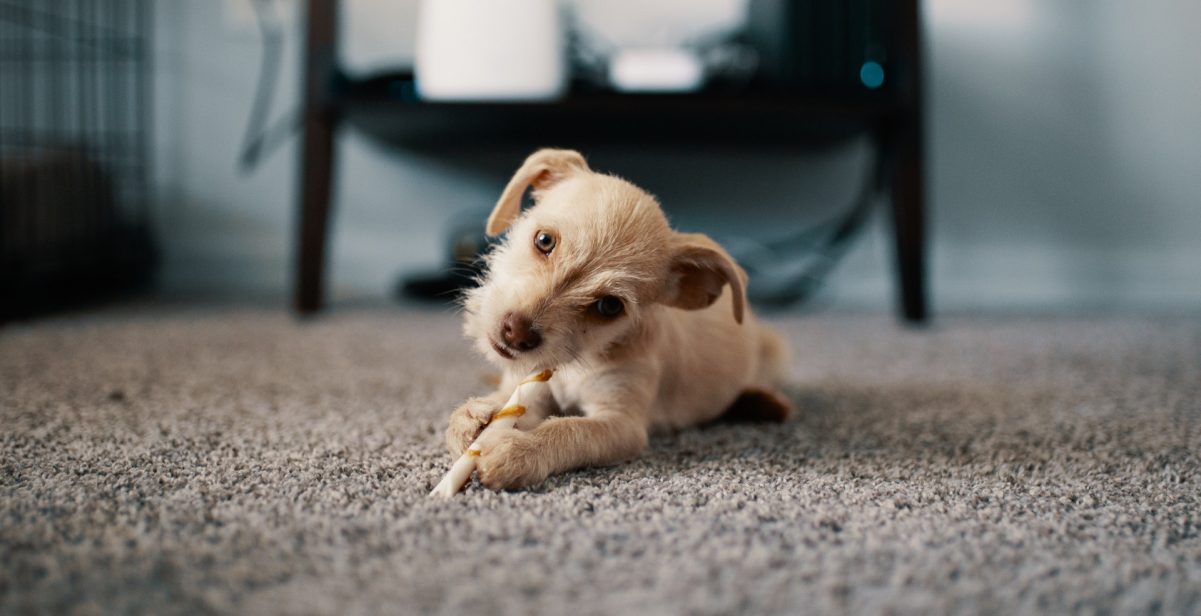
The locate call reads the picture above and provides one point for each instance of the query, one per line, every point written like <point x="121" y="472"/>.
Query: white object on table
<point x="668" y="69"/>
<point x="490" y="50"/>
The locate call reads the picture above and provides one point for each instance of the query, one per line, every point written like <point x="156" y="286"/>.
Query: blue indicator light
<point x="871" y="74"/>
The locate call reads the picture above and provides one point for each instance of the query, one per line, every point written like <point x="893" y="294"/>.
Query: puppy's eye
<point x="608" y="306"/>
<point x="544" y="242"/>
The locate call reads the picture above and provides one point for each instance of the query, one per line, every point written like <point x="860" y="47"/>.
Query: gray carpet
<point x="192" y="461"/>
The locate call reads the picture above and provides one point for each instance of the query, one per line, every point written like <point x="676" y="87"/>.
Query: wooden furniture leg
<point x="320" y="119"/>
<point x="907" y="153"/>
<point x="908" y="219"/>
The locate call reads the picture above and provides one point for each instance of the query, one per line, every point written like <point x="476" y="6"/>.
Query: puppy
<point x="647" y="327"/>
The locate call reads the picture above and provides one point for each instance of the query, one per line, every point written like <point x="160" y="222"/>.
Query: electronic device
<point x="823" y="46"/>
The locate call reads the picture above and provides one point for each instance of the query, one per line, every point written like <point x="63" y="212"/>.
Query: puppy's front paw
<point x="466" y="423"/>
<point x="510" y="459"/>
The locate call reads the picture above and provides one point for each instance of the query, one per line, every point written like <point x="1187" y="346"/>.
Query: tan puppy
<point x="637" y="319"/>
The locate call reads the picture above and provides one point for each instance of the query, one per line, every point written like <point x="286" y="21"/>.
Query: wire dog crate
<point x="75" y="119"/>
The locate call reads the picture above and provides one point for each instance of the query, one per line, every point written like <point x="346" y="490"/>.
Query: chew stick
<point x="531" y="391"/>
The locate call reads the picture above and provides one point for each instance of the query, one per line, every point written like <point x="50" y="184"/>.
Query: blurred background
<point x="155" y="145"/>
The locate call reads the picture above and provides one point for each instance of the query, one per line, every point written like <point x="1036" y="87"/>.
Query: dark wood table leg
<point x="908" y="219"/>
<point x="317" y="154"/>
<point x="907" y="153"/>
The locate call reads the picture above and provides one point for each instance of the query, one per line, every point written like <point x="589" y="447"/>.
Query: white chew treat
<point x="531" y="392"/>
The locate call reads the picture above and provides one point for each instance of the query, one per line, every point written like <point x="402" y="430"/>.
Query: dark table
<point x="386" y="107"/>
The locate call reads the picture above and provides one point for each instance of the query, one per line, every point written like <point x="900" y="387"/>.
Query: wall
<point x="1063" y="137"/>
<point x="1065" y="147"/>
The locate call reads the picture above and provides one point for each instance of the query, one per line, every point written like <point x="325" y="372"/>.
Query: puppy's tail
<point x="774" y="356"/>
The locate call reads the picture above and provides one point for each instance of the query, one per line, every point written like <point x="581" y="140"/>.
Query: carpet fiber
<point x="235" y="460"/>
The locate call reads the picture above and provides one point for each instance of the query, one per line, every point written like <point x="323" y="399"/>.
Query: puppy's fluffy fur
<point x="682" y="348"/>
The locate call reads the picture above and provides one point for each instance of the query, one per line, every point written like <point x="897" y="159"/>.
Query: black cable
<point x="835" y="237"/>
<point x="258" y="142"/>
<point x="836" y="245"/>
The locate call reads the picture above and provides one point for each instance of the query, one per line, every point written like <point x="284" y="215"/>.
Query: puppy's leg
<point x="514" y="459"/>
<point x="758" y="404"/>
<point x="469" y="420"/>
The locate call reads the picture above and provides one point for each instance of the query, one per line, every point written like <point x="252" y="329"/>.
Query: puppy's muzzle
<point x="518" y="332"/>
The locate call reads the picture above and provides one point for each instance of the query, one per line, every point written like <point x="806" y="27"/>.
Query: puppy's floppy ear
<point x="541" y="170"/>
<point x="700" y="267"/>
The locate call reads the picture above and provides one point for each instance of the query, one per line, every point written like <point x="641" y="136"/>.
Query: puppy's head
<point x="579" y="270"/>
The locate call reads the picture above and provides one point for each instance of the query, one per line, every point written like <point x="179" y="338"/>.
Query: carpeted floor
<point x="193" y="461"/>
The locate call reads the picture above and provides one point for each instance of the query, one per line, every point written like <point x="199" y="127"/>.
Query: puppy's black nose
<point x="519" y="333"/>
